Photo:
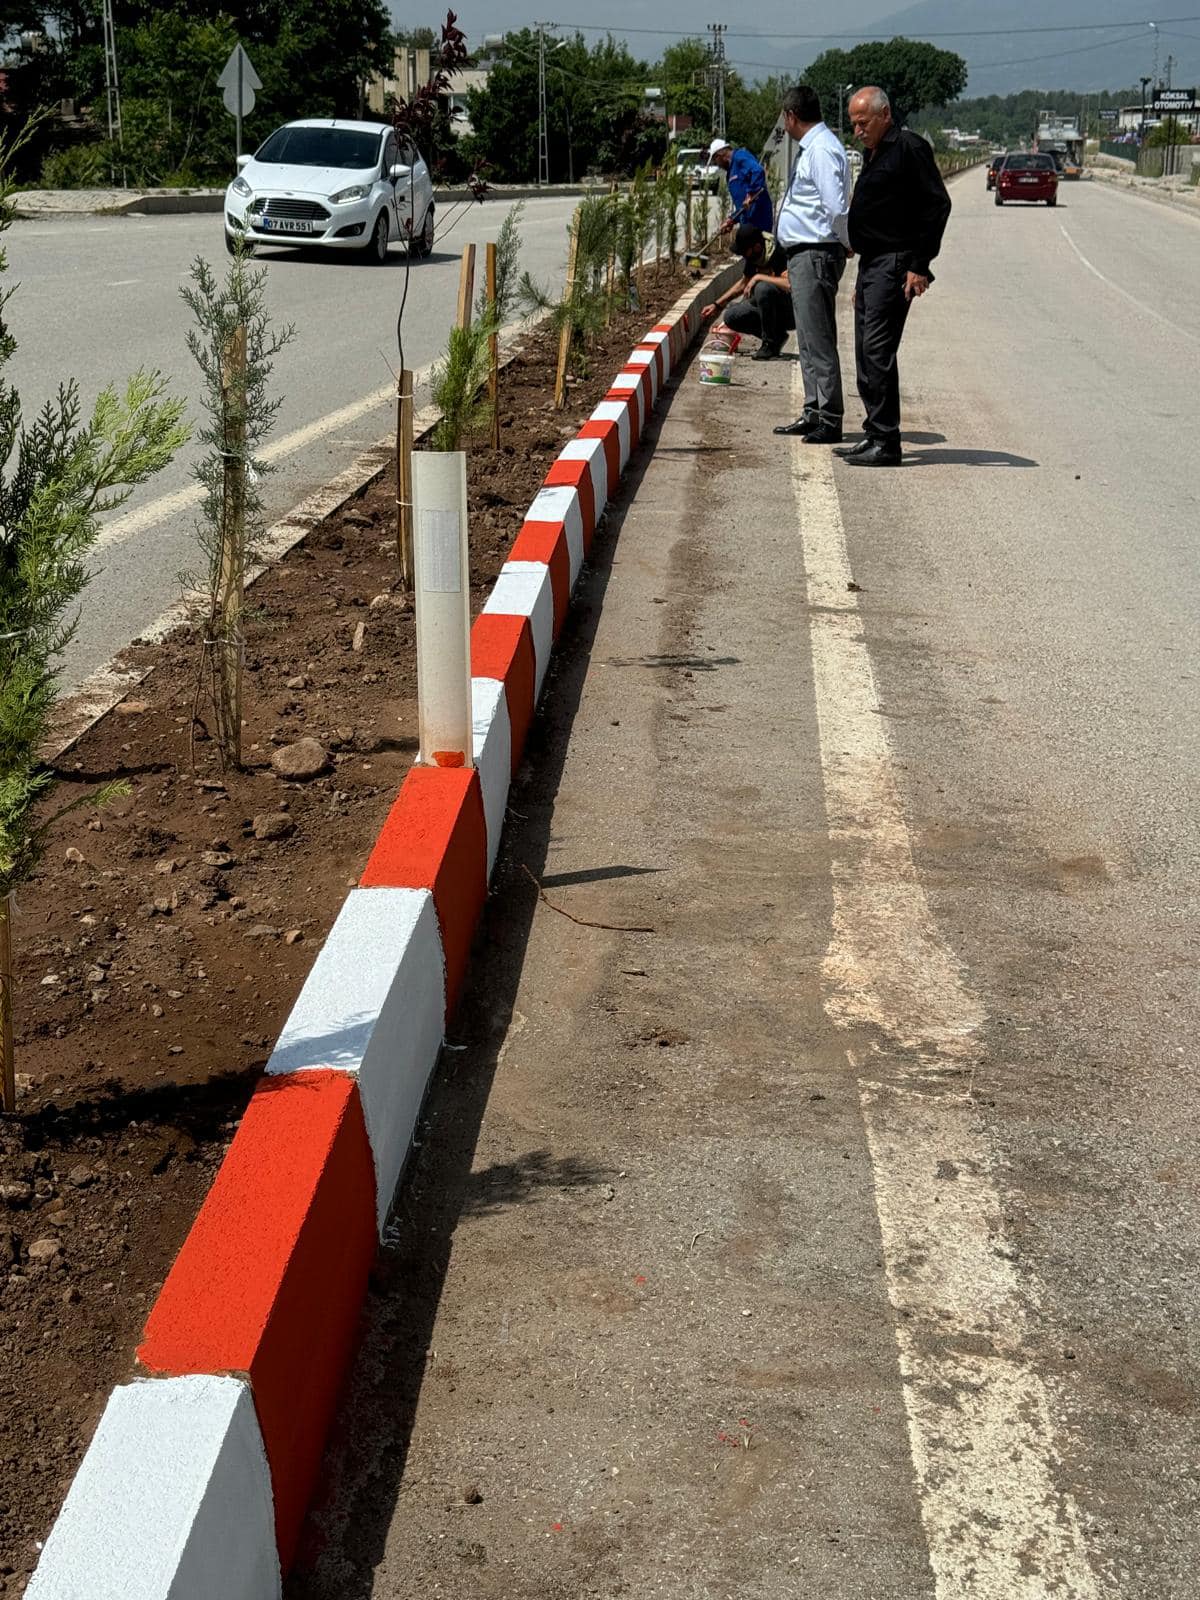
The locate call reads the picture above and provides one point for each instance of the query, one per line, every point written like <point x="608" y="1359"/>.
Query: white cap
<point x="718" y="144"/>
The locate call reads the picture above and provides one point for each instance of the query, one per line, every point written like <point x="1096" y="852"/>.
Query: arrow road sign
<point x="238" y="81"/>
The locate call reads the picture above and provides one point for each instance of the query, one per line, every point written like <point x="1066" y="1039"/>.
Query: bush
<point x="82" y="166"/>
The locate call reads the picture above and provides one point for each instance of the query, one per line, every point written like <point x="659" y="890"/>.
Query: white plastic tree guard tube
<point x="443" y="608"/>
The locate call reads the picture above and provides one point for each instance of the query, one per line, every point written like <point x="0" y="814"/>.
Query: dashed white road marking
<point x="123" y="283"/>
<point x="998" y="1521"/>
<point x="1146" y="311"/>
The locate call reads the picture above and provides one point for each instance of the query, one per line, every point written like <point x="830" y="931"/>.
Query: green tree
<point x="913" y="74"/>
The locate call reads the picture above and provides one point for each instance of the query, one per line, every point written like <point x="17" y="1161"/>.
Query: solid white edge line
<point x="998" y="1522"/>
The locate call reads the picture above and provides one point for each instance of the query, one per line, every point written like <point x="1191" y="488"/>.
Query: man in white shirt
<point x="812" y="232"/>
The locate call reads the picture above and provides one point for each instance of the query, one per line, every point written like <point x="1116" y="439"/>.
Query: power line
<point x="985" y="66"/>
<point x="956" y="33"/>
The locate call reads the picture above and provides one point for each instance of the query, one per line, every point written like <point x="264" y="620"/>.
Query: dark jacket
<point x="899" y="202"/>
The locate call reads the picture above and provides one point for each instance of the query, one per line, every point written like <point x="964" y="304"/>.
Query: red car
<point x="1027" y="176"/>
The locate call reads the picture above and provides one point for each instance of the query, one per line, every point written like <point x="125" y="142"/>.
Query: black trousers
<point x="767" y="314"/>
<point x="880" y="312"/>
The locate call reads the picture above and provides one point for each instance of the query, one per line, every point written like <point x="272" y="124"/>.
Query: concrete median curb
<point x="198" y="1478"/>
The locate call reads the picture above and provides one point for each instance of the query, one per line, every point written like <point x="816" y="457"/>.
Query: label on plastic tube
<point x="438" y="552"/>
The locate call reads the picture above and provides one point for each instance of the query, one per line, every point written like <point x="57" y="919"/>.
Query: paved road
<point x="840" y="1236"/>
<point x="100" y="296"/>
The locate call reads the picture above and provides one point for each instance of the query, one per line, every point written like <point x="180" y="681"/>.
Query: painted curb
<point x="253" y="1330"/>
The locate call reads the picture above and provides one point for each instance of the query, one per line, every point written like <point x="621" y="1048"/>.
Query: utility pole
<point x="112" y="87"/>
<point x="543" y="177"/>
<point x="717" y="76"/>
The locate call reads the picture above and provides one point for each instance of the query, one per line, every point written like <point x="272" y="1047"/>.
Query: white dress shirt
<point x="818" y="196"/>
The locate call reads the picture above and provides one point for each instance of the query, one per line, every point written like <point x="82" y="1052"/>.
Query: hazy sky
<point x="756" y="44"/>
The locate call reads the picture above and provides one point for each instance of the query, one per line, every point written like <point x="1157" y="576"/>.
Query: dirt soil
<point x="163" y="941"/>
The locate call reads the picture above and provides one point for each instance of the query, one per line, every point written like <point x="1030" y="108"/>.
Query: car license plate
<point x="283" y="225"/>
<point x="1029" y="180"/>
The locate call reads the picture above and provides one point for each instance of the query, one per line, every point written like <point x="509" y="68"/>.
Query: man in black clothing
<point x="761" y="303"/>
<point x="898" y="214"/>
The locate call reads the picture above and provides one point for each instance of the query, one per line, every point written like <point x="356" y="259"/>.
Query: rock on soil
<point x="305" y="759"/>
<point x="273" y="825"/>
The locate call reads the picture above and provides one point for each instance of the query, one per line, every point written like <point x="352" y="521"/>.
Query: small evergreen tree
<point x="233" y="345"/>
<point x="58" y="477"/>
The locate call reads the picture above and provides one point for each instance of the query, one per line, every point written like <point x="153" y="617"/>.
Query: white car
<point x="694" y="162"/>
<point x="340" y="185"/>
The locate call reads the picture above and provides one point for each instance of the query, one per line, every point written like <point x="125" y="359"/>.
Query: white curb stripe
<point x="374" y="1006"/>
<point x="591" y="451"/>
<point x="492" y="731"/>
<point x="648" y="360"/>
<point x="560" y="503"/>
<point x="523" y="589"/>
<point x="616" y="411"/>
<point x="998" y="1521"/>
<point x="171" y="1502"/>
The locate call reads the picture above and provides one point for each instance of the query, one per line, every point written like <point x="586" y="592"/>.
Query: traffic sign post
<point x="238" y="81"/>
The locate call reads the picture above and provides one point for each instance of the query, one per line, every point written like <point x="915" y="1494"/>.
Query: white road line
<point x="171" y="505"/>
<point x="998" y="1522"/>
<point x="166" y="506"/>
<point x="1146" y="311"/>
<point x="123" y="283"/>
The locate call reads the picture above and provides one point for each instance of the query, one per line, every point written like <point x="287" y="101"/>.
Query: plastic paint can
<point x="716" y="366"/>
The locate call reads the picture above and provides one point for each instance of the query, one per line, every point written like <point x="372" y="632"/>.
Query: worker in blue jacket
<point x="747" y="187"/>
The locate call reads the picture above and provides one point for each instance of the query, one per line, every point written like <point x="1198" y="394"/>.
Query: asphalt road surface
<point x="838" y="1235"/>
<point x="99" y="297"/>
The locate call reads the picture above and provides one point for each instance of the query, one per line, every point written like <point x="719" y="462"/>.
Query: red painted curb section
<point x="271" y="1277"/>
<point x="435" y="837"/>
<point x="502" y="647"/>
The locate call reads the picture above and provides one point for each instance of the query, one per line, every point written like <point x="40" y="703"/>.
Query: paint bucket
<point x="716" y="366"/>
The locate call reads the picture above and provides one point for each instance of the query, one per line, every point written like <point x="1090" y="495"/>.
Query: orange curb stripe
<point x="547" y="542"/>
<point x="577" y="475"/>
<point x="271" y="1278"/>
<point x="628" y="399"/>
<point x="656" y="350"/>
<point x="435" y="837"/>
<point x="502" y="647"/>
<point x="610" y="434"/>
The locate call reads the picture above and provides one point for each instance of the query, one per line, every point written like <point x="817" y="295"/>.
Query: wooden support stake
<point x="404" y="495"/>
<point x="564" y="338"/>
<point x="7" y="1067"/>
<point x="687" y="220"/>
<point x="231" y="594"/>
<point x="612" y="253"/>
<point x="466" y="287"/>
<point x="493" y="349"/>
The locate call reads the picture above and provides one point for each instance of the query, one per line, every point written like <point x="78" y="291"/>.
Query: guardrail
<point x="952" y="161"/>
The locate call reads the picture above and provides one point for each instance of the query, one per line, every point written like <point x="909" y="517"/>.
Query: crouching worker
<point x="761" y="304"/>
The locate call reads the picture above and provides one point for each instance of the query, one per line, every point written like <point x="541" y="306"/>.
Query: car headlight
<point x="343" y="197"/>
<point x="240" y="186"/>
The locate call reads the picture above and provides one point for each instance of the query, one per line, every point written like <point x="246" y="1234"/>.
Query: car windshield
<point x="321" y="147"/>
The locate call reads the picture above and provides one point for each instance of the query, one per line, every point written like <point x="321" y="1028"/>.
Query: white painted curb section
<point x="615" y="411"/>
<point x="558" y="503"/>
<point x="492" y="749"/>
<point x="523" y="589"/>
<point x="171" y="1502"/>
<point x="374" y="1005"/>
<point x="591" y="451"/>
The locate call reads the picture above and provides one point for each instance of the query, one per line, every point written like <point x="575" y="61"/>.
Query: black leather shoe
<point x="879" y="455"/>
<point x="766" y="352"/>
<point x="859" y="449"/>
<point x="801" y="428"/>
<point x="823" y="434"/>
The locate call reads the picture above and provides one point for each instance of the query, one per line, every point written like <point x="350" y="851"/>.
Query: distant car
<point x="1027" y="176"/>
<point x="338" y="185"/>
<point x="994" y="165"/>
<point x="1072" y="168"/>
<point x="703" y="175"/>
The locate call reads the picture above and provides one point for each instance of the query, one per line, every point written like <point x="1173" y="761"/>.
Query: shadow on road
<point x="347" y="1529"/>
<point x="966" y="458"/>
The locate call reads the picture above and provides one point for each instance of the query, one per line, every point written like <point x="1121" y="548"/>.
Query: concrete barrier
<point x="198" y="1479"/>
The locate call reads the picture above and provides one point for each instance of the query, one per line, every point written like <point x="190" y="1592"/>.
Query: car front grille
<point x="290" y="210"/>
